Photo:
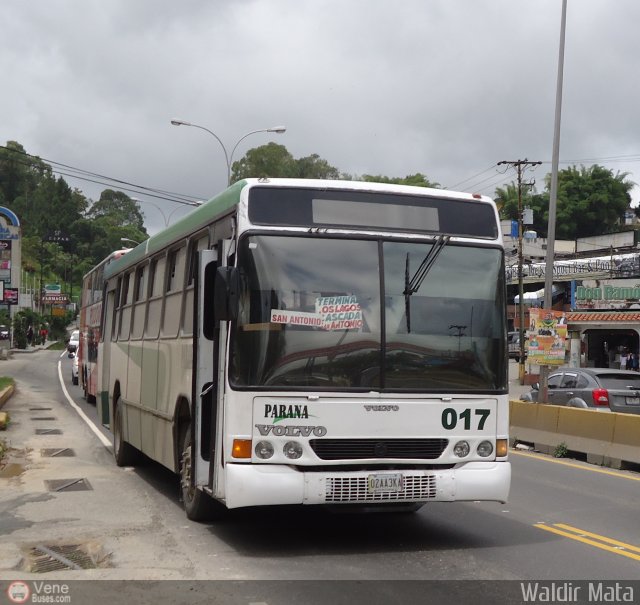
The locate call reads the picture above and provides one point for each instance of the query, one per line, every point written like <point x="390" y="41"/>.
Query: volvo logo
<point x="381" y="408"/>
<point x="280" y="430"/>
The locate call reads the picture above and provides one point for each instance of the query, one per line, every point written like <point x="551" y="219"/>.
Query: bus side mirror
<point x="226" y="294"/>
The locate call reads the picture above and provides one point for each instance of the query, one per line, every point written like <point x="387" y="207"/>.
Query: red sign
<point x="11" y="296"/>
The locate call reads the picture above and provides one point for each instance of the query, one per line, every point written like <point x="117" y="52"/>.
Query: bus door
<point x="206" y="387"/>
<point x="104" y="407"/>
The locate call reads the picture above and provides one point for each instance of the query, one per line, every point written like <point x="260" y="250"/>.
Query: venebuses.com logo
<point x="18" y="592"/>
<point x="38" y="592"/>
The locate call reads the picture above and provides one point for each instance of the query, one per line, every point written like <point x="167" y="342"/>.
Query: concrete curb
<point x="5" y="394"/>
<point x="609" y="439"/>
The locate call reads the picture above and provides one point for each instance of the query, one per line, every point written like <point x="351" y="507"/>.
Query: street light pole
<point x="228" y="158"/>
<point x="166" y="218"/>
<point x="553" y="193"/>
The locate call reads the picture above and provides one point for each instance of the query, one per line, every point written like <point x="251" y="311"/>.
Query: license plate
<point x="385" y="483"/>
<point x="633" y="400"/>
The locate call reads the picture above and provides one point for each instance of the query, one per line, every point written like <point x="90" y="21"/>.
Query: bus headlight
<point x="264" y="450"/>
<point x="461" y="449"/>
<point x="485" y="449"/>
<point x="292" y="449"/>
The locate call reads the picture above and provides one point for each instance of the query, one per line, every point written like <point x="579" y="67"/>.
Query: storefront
<point x="603" y="336"/>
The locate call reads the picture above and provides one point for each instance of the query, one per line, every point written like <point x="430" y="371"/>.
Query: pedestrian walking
<point x="623" y="360"/>
<point x="29" y="335"/>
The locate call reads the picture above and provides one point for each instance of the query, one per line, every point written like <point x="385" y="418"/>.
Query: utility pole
<point x="520" y="166"/>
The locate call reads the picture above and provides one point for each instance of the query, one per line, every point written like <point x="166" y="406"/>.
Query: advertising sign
<point x="10" y="296"/>
<point x="547" y="336"/>
<point x="607" y="294"/>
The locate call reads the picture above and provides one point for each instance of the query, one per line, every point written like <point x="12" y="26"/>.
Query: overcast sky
<point x="447" y="88"/>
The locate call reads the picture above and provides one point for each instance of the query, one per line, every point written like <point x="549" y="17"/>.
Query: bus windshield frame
<point x="311" y="316"/>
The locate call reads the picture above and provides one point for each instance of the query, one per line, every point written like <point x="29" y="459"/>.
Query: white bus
<point x="314" y="342"/>
<point x="90" y="318"/>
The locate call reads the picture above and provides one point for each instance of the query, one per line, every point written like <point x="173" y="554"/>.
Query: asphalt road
<point x="565" y="521"/>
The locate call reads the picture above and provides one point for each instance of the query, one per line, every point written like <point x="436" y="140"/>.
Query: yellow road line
<point x="617" y="551"/>
<point x="598" y="537"/>
<point x="574" y="465"/>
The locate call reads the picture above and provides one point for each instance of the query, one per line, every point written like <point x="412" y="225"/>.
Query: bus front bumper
<point x="265" y="484"/>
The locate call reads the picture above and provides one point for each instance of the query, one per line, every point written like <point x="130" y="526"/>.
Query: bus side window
<point x="175" y="288"/>
<point x="139" y="302"/>
<point x="156" y="274"/>
<point x="187" y="310"/>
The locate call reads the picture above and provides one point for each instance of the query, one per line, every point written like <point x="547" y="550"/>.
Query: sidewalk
<point x="29" y="349"/>
<point x="515" y="388"/>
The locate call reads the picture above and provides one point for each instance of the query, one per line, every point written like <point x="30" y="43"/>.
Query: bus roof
<point x="113" y="256"/>
<point x="219" y="205"/>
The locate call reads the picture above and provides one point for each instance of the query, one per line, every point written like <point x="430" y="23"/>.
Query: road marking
<point x="106" y="442"/>
<point x="575" y="465"/>
<point x="602" y="542"/>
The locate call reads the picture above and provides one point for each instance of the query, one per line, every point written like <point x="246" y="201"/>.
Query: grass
<point x="57" y="346"/>
<point x="5" y="382"/>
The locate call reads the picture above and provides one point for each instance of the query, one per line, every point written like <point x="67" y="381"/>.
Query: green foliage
<point x="561" y="450"/>
<point x="45" y="204"/>
<point x="416" y="180"/>
<point x="116" y="209"/>
<point x="58" y="326"/>
<point x="20" y="327"/>
<point x="590" y="201"/>
<point x="314" y="167"/>
<point x="270" y="160"/>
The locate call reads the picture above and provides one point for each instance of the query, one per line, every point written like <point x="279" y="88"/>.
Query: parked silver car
<point x="597" y="388"/>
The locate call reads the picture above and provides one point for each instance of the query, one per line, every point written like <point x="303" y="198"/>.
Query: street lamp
<point x="161" y="211"/>
<point x="229" y="157"/>
<point x="132" y="241"/>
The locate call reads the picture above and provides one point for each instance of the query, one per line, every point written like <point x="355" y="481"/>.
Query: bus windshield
<point x="362" y="314"/>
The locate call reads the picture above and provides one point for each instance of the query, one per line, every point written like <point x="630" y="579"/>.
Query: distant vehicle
<point x="90" y="316"/>
<point x="513" y="345"/>
<point x="4" y="332"/>
<point x="596" y="388"/>
<point x="74" y="341"/>
<point x="74" y="369"/>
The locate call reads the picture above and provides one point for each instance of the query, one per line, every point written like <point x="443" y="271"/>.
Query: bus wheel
<point x="197" y="504"/>
<point x="124" y="453"/>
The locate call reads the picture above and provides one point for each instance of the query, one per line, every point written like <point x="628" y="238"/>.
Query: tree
<point x="417" y="180"/>
<point x="590" y="201"/>
<point x="118" y="209"/>
<point x="267" y="161"/>
<point x="314" y="167"/>
<point x="20" y="174"/>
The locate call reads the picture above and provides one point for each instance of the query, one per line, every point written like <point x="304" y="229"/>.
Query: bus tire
<point x="198" y="505"/>
<point x="124" y="453"/>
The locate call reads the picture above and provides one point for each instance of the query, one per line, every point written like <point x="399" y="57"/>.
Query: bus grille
<point x="359" y="449"/>
<point x="415" y="488"/>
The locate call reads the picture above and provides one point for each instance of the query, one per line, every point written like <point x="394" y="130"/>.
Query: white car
<point x="74" y="368"/>
<point x="74" y="341"/>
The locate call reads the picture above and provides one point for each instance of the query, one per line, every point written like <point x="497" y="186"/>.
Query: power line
<point x="471" y="177"/>
<point x="520" y="166"/>
<point x="170" y="196"/>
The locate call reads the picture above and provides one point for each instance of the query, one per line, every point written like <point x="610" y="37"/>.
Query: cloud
<point x="445" y="87"/>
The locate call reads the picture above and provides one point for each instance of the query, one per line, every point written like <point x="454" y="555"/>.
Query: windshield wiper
<point x="411" y="286"/>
